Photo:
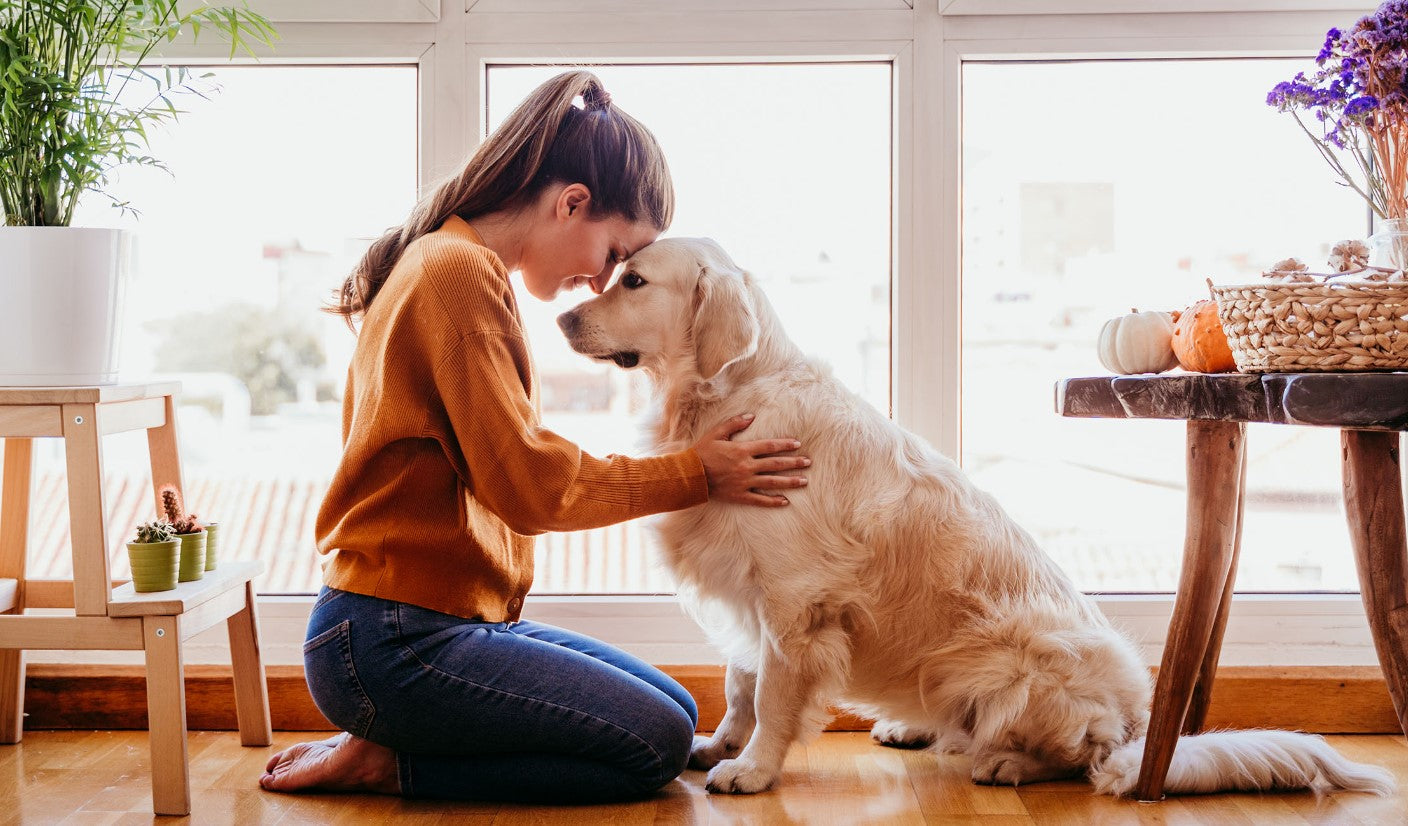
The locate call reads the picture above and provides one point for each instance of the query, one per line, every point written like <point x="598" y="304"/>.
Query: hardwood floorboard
<point x="102" y="778"/>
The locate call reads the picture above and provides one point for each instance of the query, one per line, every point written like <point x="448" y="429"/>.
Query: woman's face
<point x="575" y="248"/>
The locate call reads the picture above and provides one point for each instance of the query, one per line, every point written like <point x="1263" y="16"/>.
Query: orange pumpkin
<point x="1199" y="342"/>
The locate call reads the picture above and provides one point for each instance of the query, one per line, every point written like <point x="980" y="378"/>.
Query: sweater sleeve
<point x="531" y="478"/>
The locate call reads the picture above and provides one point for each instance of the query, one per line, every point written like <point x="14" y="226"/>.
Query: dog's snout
<point x="568" y="322"/>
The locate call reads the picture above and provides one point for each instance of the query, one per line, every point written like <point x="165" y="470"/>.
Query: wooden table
<point x="1368" y="408"/>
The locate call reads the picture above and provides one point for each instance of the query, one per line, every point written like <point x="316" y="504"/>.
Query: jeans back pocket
<point x="332" y="680"/>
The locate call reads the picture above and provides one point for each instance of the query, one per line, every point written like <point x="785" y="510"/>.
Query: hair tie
<point x="597" y="98"/>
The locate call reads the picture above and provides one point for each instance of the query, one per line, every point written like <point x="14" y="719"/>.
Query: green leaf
<point x="65" y="66"/>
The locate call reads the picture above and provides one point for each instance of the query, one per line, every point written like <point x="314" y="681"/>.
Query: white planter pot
<point x="60" y="303"/>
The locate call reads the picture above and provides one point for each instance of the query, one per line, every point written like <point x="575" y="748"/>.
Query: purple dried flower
<point x="1359" y="95"/>
<point x="1329" y="48"/>
<point x="1360" y="106"/>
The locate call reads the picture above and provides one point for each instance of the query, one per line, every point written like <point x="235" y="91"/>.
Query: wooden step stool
<point x="108" y="618"/>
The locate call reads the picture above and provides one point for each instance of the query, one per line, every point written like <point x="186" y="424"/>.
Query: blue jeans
<point x="495" y="711"/>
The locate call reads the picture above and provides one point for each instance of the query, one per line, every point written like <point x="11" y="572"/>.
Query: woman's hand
<point x="740" y="472"/>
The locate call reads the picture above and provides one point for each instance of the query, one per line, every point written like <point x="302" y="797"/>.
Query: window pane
<point x="277" y="185"/>
<point x="788" y="167"/>
<point x="1090" y="188"/>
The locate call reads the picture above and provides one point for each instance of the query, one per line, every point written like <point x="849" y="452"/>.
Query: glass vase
<point x="1388" y="246"/>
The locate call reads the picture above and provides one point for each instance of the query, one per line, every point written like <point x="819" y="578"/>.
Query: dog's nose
<point x="568" y="322"/>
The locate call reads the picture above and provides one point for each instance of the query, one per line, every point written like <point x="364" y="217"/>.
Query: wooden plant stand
<point x="107" y="617"/>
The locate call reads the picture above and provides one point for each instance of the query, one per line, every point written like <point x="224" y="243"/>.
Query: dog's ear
<point x="725" y="325"/>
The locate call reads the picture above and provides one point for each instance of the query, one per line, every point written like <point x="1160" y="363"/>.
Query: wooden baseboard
<point x="1338" y="700"/>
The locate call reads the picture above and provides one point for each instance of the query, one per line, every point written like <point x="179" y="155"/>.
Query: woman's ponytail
<point x="546" y="139"/>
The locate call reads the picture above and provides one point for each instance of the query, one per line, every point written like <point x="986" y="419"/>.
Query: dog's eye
<point x="632" y="281"/>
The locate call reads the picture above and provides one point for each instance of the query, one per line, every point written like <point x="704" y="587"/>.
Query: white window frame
<point x="1272" y="629"/>
<point x="452" y="42"/>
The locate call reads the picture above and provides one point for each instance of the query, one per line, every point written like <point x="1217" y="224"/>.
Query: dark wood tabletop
<point x="1365" y="401"/>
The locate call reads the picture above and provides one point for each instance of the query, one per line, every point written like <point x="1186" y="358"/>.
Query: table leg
<point x="87" y="513"/>
<point x="1202" y="690"/>
<point x="14" y="544"/>
<point x="163" y="448"/>
<point x="1373" y="504"/>
<point x="251" y="690"/>
<point x="166" y="716"/>
<point x="1215" y="458"/>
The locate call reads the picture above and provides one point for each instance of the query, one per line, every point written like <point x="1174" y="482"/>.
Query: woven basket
<point x="1315" y="326"/>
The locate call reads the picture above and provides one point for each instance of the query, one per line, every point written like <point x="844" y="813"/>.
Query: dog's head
<point x="676" y="299"/>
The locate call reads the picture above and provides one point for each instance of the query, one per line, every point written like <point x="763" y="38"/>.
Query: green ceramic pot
<point x="192" y="555"/>
<point x="154" y="564"/>
<point x="212" y="535"/>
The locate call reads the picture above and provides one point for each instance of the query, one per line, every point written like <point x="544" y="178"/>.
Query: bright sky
<point x="1201" y="166"/>
<point x="321" y="154"/>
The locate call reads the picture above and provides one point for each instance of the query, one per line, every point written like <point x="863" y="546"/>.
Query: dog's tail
<point x="1243" y="761"/>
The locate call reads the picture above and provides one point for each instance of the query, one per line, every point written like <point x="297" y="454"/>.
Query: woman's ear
<point x="572" y="198"/>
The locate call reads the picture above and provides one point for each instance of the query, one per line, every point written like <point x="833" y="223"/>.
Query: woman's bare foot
<point x="342" y="763"/>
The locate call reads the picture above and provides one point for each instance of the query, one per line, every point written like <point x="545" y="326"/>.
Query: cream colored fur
<point x="890" y="585"/>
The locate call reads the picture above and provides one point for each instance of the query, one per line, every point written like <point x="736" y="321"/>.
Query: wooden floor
<point x="104" y="777"/>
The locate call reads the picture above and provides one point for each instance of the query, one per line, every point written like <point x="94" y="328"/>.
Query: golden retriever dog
<point x="891" y="586"/>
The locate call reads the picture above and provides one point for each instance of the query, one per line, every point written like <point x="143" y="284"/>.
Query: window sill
<point x="1262" y="630"/>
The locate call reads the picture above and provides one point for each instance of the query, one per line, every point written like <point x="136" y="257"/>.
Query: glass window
<point x="788" y="167"/>
<point x="277" y="185"/>
<point x="1093" y="187"/>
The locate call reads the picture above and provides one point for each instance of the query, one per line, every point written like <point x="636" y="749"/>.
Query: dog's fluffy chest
<point x="739" y="552"/>
<point x="709" y="550"/>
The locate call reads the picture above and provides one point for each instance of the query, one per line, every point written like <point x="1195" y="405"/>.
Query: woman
<point x="415" y="646"/>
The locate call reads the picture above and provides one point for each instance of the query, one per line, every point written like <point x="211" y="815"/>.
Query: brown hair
<point x="547" y="139"/>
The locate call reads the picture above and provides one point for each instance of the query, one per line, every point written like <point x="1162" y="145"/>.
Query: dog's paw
<point x="1003" y="768"/>
<point x="707" y="752"/>
<point x="740" y="776"/>
<point x="1013" y="768"/>
<point x="952" y="743"/>
<point x="900" y="736"/>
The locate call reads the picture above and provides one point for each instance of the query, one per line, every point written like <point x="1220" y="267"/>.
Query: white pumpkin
<point x="1138" y="343"/>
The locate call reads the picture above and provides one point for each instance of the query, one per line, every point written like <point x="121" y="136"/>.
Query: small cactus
<point x="155" y="532"/>
<point x="175" y="511"/>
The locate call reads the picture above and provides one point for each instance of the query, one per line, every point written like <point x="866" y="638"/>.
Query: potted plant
<point x="212" y="538"/>
<point x="188" y="528"/>
<point x="65" y="125"/>
<point x="154" y="556"/>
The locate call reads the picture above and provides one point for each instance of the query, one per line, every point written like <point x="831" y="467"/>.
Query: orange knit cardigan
<point x="446" y="472"/>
